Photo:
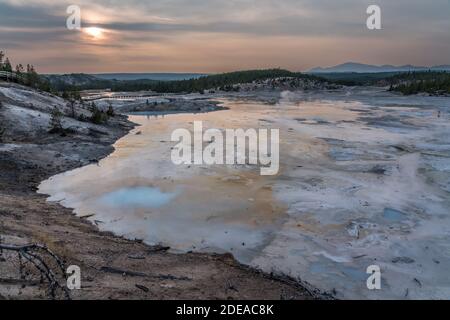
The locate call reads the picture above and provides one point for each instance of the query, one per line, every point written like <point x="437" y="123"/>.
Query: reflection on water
<point x="394" y="215"/>
<point x="325" y="218"/>
<point x="137" y="197"/>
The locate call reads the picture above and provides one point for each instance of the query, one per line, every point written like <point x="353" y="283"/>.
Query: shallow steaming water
<point x="364" y="180"/>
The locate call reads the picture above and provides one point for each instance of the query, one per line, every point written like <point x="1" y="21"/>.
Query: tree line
<point x="26" y="75"/>
<point x="432" y="82"/>
<point x="225" y="81"/>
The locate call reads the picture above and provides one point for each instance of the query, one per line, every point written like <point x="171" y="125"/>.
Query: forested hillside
<point x="421" y="82"/>
<point x="224" y="81"/>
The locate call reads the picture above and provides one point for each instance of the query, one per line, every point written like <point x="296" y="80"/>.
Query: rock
<point x="403" y="260"/>
<point x="143" y="288"/>
<point x="158" y="248"/>
<point x="378" y="170"/>
<point x="136" y="257"/>
<point x="418" y="282"/>
<point x="353" y="229"/>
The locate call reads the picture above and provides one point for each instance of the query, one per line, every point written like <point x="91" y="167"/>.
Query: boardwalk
<point x="120" y="96"/>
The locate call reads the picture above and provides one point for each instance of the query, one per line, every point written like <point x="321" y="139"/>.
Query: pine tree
<point x="7" y="65"/>
<point x="19" y="72"/>
<point x="76" y="95"/>
<point x="92" y="107"/>
<point x="2" y="129"/>
<point x="32" y="78"/>
<point x="110" y="112"/>
<point x="19" y="69"/>
<point x="2" y="132"/>
<point x="71" y="105"/>
<point x="2" y="55"/>
<point x="55" y="121"/>
<point x="98" y="116"/>
<point x="65" y="95"/>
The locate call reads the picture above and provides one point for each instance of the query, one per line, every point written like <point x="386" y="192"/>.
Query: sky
<point x="212" y="36"/>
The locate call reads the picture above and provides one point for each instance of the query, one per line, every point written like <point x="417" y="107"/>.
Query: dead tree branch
<point x="35" y="254"/>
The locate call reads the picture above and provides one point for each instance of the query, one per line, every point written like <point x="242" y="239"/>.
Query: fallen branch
<point x="34" y="254"/>
<point x="143" y="275"/>
<point x="123" y="272"/>
<point x="18" y="281"/>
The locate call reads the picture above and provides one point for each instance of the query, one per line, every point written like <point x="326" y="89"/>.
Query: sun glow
<point x="94" y="32"/>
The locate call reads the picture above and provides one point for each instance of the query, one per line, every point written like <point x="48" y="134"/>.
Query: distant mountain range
<point x="149" y="76"/>
<point x="366" y="68"/>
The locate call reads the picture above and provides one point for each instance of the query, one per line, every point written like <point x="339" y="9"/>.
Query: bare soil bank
<point x="112" y="267"/>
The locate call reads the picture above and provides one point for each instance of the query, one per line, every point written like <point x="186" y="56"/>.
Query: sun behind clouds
<point x="94" y="32"/>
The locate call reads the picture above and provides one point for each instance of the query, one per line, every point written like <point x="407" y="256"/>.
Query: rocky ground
<point x="111" y="267"/>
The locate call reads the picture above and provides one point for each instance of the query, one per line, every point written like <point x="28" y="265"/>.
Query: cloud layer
<point x="217" y="36"/>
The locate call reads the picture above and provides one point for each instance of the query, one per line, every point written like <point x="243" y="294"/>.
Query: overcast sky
<point x="211" y="36"/>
